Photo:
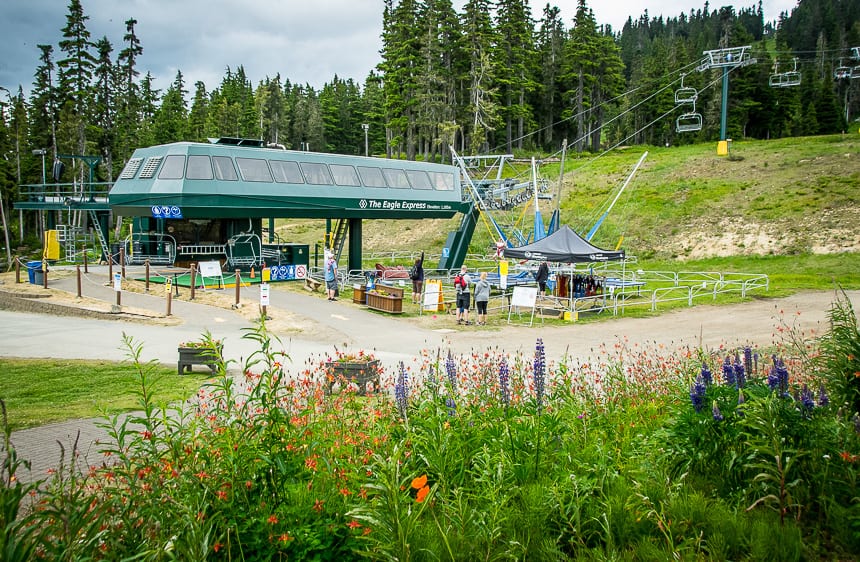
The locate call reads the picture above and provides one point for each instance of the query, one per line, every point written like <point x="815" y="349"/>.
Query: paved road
<point x="328" y="324"/>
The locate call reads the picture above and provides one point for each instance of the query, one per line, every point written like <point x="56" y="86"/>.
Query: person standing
<point x="464" y="296"/>
<point x="417" y="276"/>
<point x="482" y="298"/>
<point x="331" y="276"/>
<point x="542" y="276"/>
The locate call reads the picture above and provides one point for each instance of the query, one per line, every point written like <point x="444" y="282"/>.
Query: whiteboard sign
<point x="524" y="297"/>
<point x="210" y="268"/>
<point x="117" y="282"/>
<point x="432" y="290"/>
<point x="264" y="294"/>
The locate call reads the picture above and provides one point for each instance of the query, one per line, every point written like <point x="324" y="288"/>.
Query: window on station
<point x="199" y="167"/>
<point x="344" y="175"/>
<point x="224" y="169"/>
<point x="396" y="178"/>
<point x="316" y="173"/>
<point x="442" y="181"/>
<point x="286" y="172"/>
<point x="173" y="168"/>
<point x="254" y="169"/>
<point x="371" y="177"/>
<point x="419" y="179"/>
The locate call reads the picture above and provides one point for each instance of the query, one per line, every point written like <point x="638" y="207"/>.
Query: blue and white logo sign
<point x="166" y="212"/>
<point x="283" y="272"/>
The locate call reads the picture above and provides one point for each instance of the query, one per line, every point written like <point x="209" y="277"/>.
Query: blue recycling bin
<point x="32" y="268"/>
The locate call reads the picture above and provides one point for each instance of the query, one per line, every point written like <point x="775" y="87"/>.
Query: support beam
<point x="354" y="257"/>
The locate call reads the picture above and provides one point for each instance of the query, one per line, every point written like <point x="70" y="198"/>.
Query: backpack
<point x="413" y="273"/>
<point x="459" y="282"/>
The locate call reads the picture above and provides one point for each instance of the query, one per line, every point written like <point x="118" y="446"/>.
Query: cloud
<point x="305" y="41"/>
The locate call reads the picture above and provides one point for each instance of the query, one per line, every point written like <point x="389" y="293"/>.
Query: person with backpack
<point x="464" y="296"/>
<point x="331" y="276"/>
<point x="417" y="276"/>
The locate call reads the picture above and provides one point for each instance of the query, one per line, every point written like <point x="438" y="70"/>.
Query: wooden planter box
<point x="190" y="356"/>
<point x="359" y="372"/>
<point x="385" y="303"/>
<point x="391" y="301"/>
<point x="359" y="294"/>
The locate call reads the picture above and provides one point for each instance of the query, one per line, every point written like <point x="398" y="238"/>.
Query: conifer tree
<point x="76" y="72"/>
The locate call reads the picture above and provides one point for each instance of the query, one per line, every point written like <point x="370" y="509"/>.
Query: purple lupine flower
<point x="806" y="398"/>
<point x="505" y="382"/>
<point x="718" y="416"/>
<point x="706" y="374"/>
<point x="738" y="367"/>
<point x="539" y="372"/>
<point x="755" y="362"/>
<point x="452" y="406"/>
<point x="772" y="377"/>
<point x="728" y="372"/>
<point x="823" y="399"/>
<point x="451" y="369"/>
<point x="401" y="390"/>
<point x="782" y="376"/>
<point x="748" y="360"/>
<point x="697" y="393"/>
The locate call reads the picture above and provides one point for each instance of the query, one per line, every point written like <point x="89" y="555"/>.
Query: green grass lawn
<point x="41" y="391"/>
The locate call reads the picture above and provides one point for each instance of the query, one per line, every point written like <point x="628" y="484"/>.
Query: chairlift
<point x="855" y="72"/>
<point x="688" y="122"/>
<point x="784" y="79"/>
<point x="842" y="72"/>
<point x="687" y="94"/>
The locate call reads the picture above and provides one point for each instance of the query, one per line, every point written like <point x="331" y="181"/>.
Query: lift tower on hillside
<point x="727" y="59"/>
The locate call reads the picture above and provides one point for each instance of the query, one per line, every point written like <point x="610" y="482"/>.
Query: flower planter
<point x="385" y="303"/>
<point x="190" y="356"/>
<point x="359" y="295"/>
<point x="359" y="372"/>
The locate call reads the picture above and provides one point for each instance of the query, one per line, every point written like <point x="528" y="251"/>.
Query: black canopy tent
<point x="563" y="246"/>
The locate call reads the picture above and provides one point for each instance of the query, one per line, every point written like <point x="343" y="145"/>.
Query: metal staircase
<point x="103" y="243"/>
<point x="340" y="232"/>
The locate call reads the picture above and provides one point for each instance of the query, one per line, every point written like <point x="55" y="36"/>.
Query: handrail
<point x="75" y="191"/>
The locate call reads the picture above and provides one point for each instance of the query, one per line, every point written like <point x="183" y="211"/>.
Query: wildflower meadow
<point x="634" y="453"/>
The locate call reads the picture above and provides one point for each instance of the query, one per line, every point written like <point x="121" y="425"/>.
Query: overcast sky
<point x="306" y="41"/>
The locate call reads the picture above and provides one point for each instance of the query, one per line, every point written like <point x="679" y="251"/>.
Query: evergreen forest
<point x="493" y="77"/>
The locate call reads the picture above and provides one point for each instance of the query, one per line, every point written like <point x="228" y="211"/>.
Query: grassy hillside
<point x="768" y="198"/>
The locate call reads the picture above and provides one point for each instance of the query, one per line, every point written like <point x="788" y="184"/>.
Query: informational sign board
<point x="168" y="285"/>
<point x="283" y="273"/>
<point x="117" y="282"/>
<point x="432" y="295"/>
<point x="166" y="212"/>
<point x="267" y="274"/>
<point x="210" y="268"/>
<point x="524" y="297"/>
<point x="503" y="274"/>
<point x="301" y="271"/>
<point x="264" y="294"/>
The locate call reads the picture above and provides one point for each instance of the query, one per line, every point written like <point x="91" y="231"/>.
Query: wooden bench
<point x="312" y="284"/>
<point x="190" y="356"/>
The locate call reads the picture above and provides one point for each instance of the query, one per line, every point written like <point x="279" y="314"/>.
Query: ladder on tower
<point x="103" y="243"/>
<point x="340" y="232"/>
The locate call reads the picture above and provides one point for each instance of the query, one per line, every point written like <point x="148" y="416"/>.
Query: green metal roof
<point x="198" y="180"/>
